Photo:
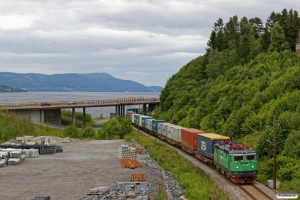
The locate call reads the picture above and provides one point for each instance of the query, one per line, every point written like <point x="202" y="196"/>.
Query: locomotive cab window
<point x="250" y="157"/>
<point x="238" y="158"/>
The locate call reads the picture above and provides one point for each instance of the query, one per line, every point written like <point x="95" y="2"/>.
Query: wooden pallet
<point x="130" y="163"/>
<point x="137" y="177"/>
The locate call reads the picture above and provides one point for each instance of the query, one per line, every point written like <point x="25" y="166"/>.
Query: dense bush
<point x="88" y="132"/>
<point x="115" y="128"/>
<point x="72" y="131"/>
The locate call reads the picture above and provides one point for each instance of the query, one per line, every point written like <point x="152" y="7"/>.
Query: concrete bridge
<point x="41" y="112"/>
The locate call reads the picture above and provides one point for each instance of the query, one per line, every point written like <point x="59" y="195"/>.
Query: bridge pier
<point x="120" y="111"/>
<point x="117" y="111"/>
<point x="83" y="119"/>
<point x="73" y="116"/>
<point x="42" y="117"/>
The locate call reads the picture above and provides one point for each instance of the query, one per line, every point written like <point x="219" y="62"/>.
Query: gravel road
<point x="70" y="174"/>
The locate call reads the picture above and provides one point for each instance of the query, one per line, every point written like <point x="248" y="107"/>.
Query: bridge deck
<point x="79" y="104"/>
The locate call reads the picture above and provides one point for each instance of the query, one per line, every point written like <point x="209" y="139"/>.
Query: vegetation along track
<point x="253" y="192"/>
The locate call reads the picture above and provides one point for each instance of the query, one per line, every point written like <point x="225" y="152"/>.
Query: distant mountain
<point x="4" y="88"/>
<point x="92" y="82"/>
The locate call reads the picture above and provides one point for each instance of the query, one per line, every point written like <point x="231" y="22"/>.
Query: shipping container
<point x="140" y="120"/>
<point x="129" y="110"/>
<point x="165" y="128"/>
<point x="144" y="120"/>
<point x="160" y="127"/>
<point x="206" y="142"/>
<point x="137" y="118"/>
<point x="133" y="118"/>
<point x="189" y="137"/>
<point x="169" y="130"/>
<point x="129" y="115"/>
<point x="149" y="124"/>
<point x="176" y="132"/>
<point x="155" y="124"/>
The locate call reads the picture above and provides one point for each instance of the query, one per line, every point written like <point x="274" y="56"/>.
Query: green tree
<point x="292" y="145"/>
<point x="115" y="128"/>
<point x="257" y="27"/>
<point x="72" y="131"/>
<point x="88" y="132"/>
<point x="278" y="42"/>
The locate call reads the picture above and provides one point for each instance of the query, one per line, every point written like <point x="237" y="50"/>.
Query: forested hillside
<point x="248" y="75"/>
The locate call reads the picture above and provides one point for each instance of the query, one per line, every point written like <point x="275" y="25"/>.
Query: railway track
<point x="253" y="192"/>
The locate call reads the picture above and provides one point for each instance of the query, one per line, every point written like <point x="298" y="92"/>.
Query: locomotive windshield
<point x="250" y="157"/>
<point x="238" y="158"/>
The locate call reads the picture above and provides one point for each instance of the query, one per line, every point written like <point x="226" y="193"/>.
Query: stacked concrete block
<point x="34" y="153"/>
<point x="13" y="161"/>
<point x="22" y="157"/>
<point x="46" y="142"/>
<point x="15" y="153"/>
<point x="27" y="153"/>
<point x="53" y="141"/>
<point x="126" y="152"/>
<point x="100" y="190"/>
<point x="66" y="140"/>
<point x="2" y="162"/>
<point x="31" y="153"/>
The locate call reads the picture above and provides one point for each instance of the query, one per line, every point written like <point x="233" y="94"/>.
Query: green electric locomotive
<point x="236" y="161"/>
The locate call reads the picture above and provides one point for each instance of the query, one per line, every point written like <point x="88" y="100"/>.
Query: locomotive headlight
<point x="237" y="167"/>
<point x="252" y="166"/>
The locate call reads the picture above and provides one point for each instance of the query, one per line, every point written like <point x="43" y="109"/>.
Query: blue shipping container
<point x="136" y="119"/>
<point x="144" y="120"/>
<point x="155" y="124"/>
<point x="206" y="142"/>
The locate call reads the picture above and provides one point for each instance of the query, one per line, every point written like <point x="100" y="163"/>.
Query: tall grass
<point x="12" y="127"/>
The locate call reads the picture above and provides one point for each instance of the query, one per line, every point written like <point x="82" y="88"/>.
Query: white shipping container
<point x="149" y="124"/>
<point x="177" y="133"/>
<point x="165" y="129"/>
<point x="140" y="119"/>
<point x="169" y="130"/>
<point x="160" y="128"/>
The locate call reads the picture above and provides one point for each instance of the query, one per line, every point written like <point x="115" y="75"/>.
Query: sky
<point x="146" y="41"/>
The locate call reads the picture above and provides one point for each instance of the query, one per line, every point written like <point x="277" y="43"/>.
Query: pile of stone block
<point x="31" y="153"/>
<point x="125" y="190"/>
<point x="41" y="140"/>
<point x="11" y="157"/>
<point x="126" y="152"/>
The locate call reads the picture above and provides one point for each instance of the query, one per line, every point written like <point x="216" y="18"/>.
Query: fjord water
<point x="22" y="97"/>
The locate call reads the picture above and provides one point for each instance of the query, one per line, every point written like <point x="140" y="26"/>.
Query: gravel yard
<point x="69" y="175"/>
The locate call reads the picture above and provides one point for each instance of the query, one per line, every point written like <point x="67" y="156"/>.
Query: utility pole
<point x="274" y="149"/>
<point x="199" y="118"/>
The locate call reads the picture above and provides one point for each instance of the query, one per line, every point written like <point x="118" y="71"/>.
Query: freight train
<point x="236" y="161"/>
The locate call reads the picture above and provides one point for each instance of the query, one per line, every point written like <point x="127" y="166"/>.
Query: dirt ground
<point x="69" y="175"/>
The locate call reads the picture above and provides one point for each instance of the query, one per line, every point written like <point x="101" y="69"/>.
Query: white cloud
<point x="14" y="21"/>
<point x="143" y="40"/>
